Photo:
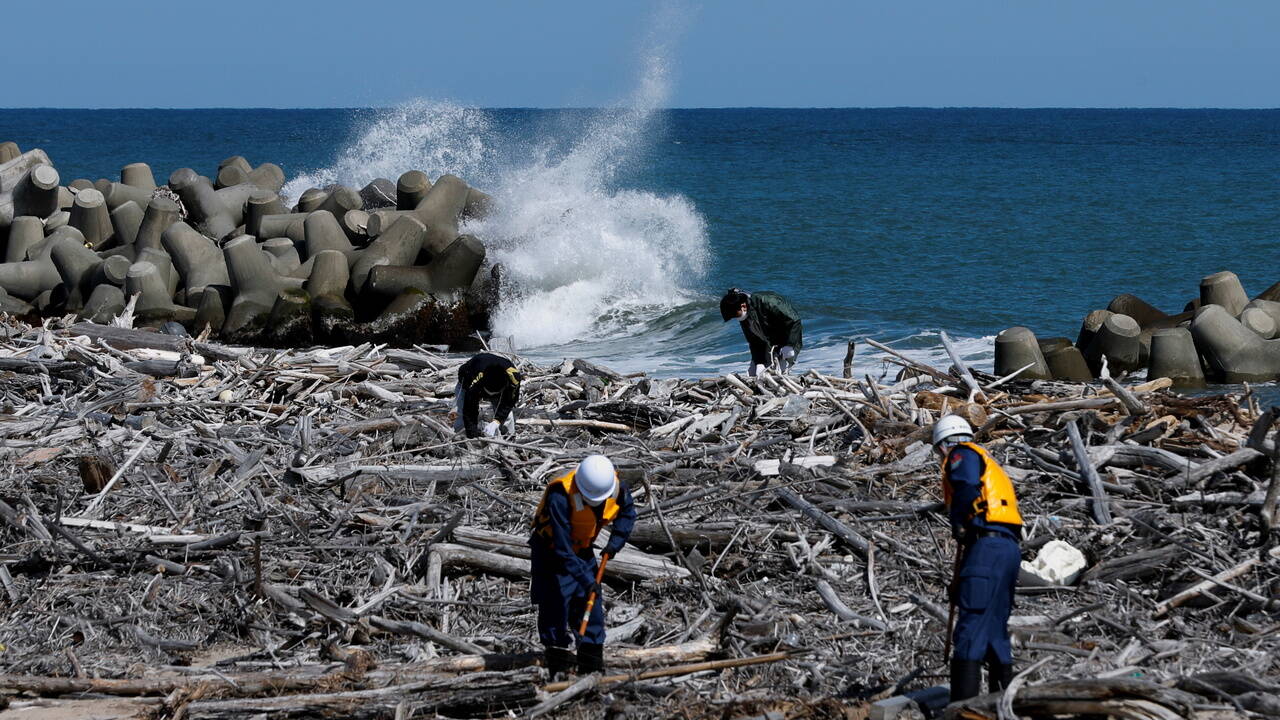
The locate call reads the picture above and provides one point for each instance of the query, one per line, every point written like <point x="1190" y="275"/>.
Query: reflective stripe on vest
<point x="583" y="525"/>
<point x="996" y="500"/>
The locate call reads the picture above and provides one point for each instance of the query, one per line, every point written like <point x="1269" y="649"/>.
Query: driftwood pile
<point x="207" y="531"/>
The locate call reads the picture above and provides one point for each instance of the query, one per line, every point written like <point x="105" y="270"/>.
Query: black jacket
<point x="771" y="321"/>
<point x="492" y="377"/>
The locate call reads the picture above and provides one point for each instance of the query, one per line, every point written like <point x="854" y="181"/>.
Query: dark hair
<point x="731" y="303"/>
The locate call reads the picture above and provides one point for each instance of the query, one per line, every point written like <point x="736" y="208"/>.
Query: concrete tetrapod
<point x="203" y="205"/>
<point x="341" y="199"/>
<point x="236" y="199"/>
<point x="164" y="263"/>
<point x="283" y="254"/>
<point x="25" y="232"/>
<point x="311" y="200"/>
<point x="478" y="205"/>
<point x="199" y="262"/>
<point x="1174" y="356"/>
<point x="288" y="225"/>
<point x="378" y="194"/>
<point x="380" y="220"/>
<point x="1259" y="321"/>
<point x="138" y="175"/>
<point x="62" y="218"/>
<point x="77" y="266"/>
<point x="399" y="245"/>
<point x="106" y="302"/>
<point x="36" y="192"/>
<point x="112" y="271"/>
<point x="1118" y="341"/>
<point x="235" y="161"/>
<point x="14" y="306"/>
<point x="289" y="323"/>
<point x="154" y="307"/>
<point x="439" y="212"/>
<point x="161" y="213"/>
<point x="268" y="176"/>
<point x="255" y="284"/>
<point x="1269" y="307"/>
<point x="11" y="170"/>
<point x="411" y="188"/>
<point x="327" y="286"/>
<point x="321" y="231"/>
<point x="354" y="223"/>
<point x="42" y="248"/>
<point x="229" y="176"/>
<point x="1067" y="363"/>
<point x="212" y="310"/>
<point x="28" y="280"/>
<point x="89" y="215"/>
<point x="1231" y="352"/>
<point x="416" y="316"/>
<point x="1089" y="327"/>
<point x="1135" y="307"/>
<point x="8" y="151"/>
<point x="118" y="194"/>
<point x="1017" y="347"/>
<point x="1223" y="288"/>
<point x="261" y="204"/>
<point x="454" y="269"/>
<point x="126" y="220"/>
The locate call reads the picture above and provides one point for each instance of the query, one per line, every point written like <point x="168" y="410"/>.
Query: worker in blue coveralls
<point x="573" y="511"/>
<point x="985" y="522"/>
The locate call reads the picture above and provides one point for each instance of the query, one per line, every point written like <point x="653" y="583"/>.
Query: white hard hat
<point x="596" y="479"/>
<point x="950" y="426"/>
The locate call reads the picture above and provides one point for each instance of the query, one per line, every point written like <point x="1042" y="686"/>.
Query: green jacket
<point x="771" y="322"/>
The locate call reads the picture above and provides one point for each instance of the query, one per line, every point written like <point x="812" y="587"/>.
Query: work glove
<point x="786" y="357"/>
<point x="491" y="428"/>
<point x="757" y="370"/>
<point x="607" y="554"/>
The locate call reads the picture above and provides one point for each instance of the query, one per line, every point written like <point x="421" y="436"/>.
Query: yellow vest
<point x="583" y="524"/>
<point x="996" y="500"/>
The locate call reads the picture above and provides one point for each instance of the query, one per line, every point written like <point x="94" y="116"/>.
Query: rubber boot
<point x="590" y="658"/>
<point x="558" y="661"/>
<point x="966" y="678"/>
<point x="998" y="675"/>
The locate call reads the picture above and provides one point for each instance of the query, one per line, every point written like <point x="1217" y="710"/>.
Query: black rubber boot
<point x="966" y="679"/>
<point x="558" y="661"/>
<point x="590" y="658"/>
<point x="999" y="675"/>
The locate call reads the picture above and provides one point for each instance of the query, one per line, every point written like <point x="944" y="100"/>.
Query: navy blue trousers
<point x="988" y="575"/>
<point x="561" y="602"/>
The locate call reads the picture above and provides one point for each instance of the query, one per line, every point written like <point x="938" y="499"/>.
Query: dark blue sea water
<point x="623" y="226"/>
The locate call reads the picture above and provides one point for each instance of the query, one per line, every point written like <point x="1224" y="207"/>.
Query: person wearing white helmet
<point x="987" y="526"/>
<point x="574" y="509"/>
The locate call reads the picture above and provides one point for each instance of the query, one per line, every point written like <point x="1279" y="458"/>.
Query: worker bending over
<point x="493" y="378"/>
<point x="573" y="511"/>
<point x="771" y="326"/>
<point x="986" y="524"/>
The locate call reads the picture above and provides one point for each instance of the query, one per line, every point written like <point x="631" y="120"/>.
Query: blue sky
<point x="801" y="53"/>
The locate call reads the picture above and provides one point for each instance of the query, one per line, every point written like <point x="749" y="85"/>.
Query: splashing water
<point x="591" y="261"/>
<point x="586" y="260"/>
<point x="434" y="137"/>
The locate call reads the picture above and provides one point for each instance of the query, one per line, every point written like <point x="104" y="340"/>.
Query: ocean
<point x="622" y="227"/>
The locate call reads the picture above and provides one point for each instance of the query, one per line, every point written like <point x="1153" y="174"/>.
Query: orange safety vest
<point x="996" y="500"/>
<point x="583" y="523"/>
